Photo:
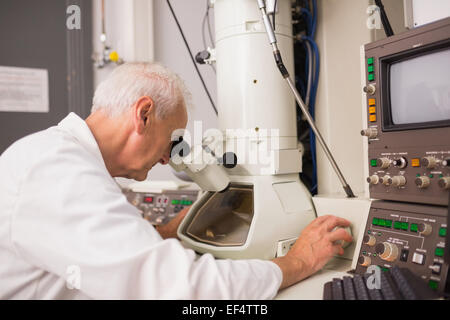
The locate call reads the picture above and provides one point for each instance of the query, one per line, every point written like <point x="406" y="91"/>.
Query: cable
<point x="205" y="45"/>
<point x="192" y="57"/>
<point x="384" y="19"/>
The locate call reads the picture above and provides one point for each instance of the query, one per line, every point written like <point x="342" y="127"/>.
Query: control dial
<point x="424" y="229"/>
<point x="383" y="163"/>
<point x="400" y="163"/>
<point x="444" y="183"/>
<point x="370" y="133"/>
<point x="422" y="182"/>
<point x="398" y="181"/>
<point x="429" y="162"/>
<point x="386" y="180"/>
<point x="369" y="89"/>
<point x="364" y="261"/>
<point x="446" y="163"/>
<point x="387" y="251"/>
<point x="369" y="240"/>
<point x="374" y="179"/>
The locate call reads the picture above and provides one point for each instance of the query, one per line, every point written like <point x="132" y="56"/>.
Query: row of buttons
<point x="370" y="69"/>
<point x="372" y="110"/>
<point x="182" y="202"/>
<point x="401" y="225"/>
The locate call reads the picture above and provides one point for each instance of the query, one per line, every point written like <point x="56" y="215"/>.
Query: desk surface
<point x="312" y="287"/>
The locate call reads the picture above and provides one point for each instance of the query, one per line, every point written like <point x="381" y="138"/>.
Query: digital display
<point x="148" y="199"/>
<point x="420" y="89"/>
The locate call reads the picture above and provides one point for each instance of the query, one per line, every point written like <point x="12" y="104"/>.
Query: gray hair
<point x="131" y="81"/>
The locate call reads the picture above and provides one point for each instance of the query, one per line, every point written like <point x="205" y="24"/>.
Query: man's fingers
<point x="337" y="248"/>
<point x="340" y="234"/>
<point x="321" y="219"/>
<point x="334" y="222"/>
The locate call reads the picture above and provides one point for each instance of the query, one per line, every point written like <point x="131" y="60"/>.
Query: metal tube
<point x="320" y="138"/>
<point x="298" y="98"/>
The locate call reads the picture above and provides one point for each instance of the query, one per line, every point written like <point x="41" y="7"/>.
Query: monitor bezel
<point x="385" y="64"/>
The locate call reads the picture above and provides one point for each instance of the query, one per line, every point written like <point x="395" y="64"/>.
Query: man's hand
<point x="169" y="230"/>
<point x="313" y="249"/>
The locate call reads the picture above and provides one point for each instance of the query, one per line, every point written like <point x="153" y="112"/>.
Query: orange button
<point x="372" y="118"/>
<point x="371" y="102"/>
<point x="415" y="162"/>
<point x="372" y="110"/>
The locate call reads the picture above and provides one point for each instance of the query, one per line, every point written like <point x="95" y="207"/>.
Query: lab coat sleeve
<point x="71" y="213"/>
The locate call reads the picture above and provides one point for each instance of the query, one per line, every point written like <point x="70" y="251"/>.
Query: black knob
<point x="202" y="56"/>
<point x="379" y="248"/>
<point x="229" y="160"/>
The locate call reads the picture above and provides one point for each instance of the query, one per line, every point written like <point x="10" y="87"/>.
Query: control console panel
<point x="160" y="207"/>
<point x="406" y="235"/>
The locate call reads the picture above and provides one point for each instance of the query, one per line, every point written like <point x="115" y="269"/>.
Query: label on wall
<point x="23" y="89"/>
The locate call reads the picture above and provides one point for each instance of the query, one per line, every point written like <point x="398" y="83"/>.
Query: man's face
<point x="153" y="145"/>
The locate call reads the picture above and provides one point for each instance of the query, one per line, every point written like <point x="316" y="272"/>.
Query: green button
<point x="364" y="252"/>
<point x="439" y="252"/>
<point x="405" y="226"/>
<point x="442" y="232"/>
<point x="370" y="61"/>
<point x="381" y="222"/>
<point x="370" y="68"/>
<point x="384" y="269"/>
<point x="397" y="225"/>
<point x="441" y="176"/>
<point x="371" y="77"/>
<point x="373" y="162"/>
<point x="375" y="221"/>
<point x="433" y="284"/>
<point x="375" y="255"/>
<point x="388" y="223"/>
<point x="368" y="231"/>
<point x="418" y="175"/>
<point x="431" y="176"/>
<point x="175" y="201"/>
<point x="413" y="227"/>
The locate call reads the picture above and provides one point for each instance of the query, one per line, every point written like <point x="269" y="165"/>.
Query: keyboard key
<point x="360" y="288"/>
<point x="337" y="290"/>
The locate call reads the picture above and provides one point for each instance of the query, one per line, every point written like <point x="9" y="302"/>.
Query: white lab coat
<point x="64" y="225"/>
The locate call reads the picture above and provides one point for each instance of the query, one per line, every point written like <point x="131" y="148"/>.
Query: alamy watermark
<point x="73" y="277"/>
<point x="374" y="19"/>
<point x="73" y="21"/>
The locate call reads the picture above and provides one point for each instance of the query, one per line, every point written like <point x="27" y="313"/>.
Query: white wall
<point x="171" y="51"/>
<point x="144" y="30"/>
<point x="342" y="29"/>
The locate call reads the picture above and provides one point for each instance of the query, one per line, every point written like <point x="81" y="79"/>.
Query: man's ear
<point x="143" y="111"/>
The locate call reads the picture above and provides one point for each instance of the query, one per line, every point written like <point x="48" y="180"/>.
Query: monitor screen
<point x="420" y="89"/>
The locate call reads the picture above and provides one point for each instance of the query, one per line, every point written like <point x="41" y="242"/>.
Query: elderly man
<point x="67" y="231"/>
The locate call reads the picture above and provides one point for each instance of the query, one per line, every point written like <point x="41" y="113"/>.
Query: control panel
<point x="406" y="235"/>
<point x="410" y="175"/>
<point x="408" y="116"/>
<point x="160" y="207"/>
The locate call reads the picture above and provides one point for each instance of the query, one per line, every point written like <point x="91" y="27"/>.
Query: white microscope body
<point x="260" y="206"/>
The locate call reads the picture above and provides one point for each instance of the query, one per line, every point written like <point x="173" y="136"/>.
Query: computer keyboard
<point x="395" y="284"/>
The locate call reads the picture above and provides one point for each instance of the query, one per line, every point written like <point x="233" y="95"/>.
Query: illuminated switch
<point x="371" y="77"/>
<point x="371" y="102"/>
<point x="372" y="110"/>
<point x="372" y="118"/>
<point x="415" y="162"/>
<point x="418" y="258"/>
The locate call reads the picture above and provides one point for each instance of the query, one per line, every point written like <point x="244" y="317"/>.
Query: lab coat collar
<point x="79" y="129"/>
